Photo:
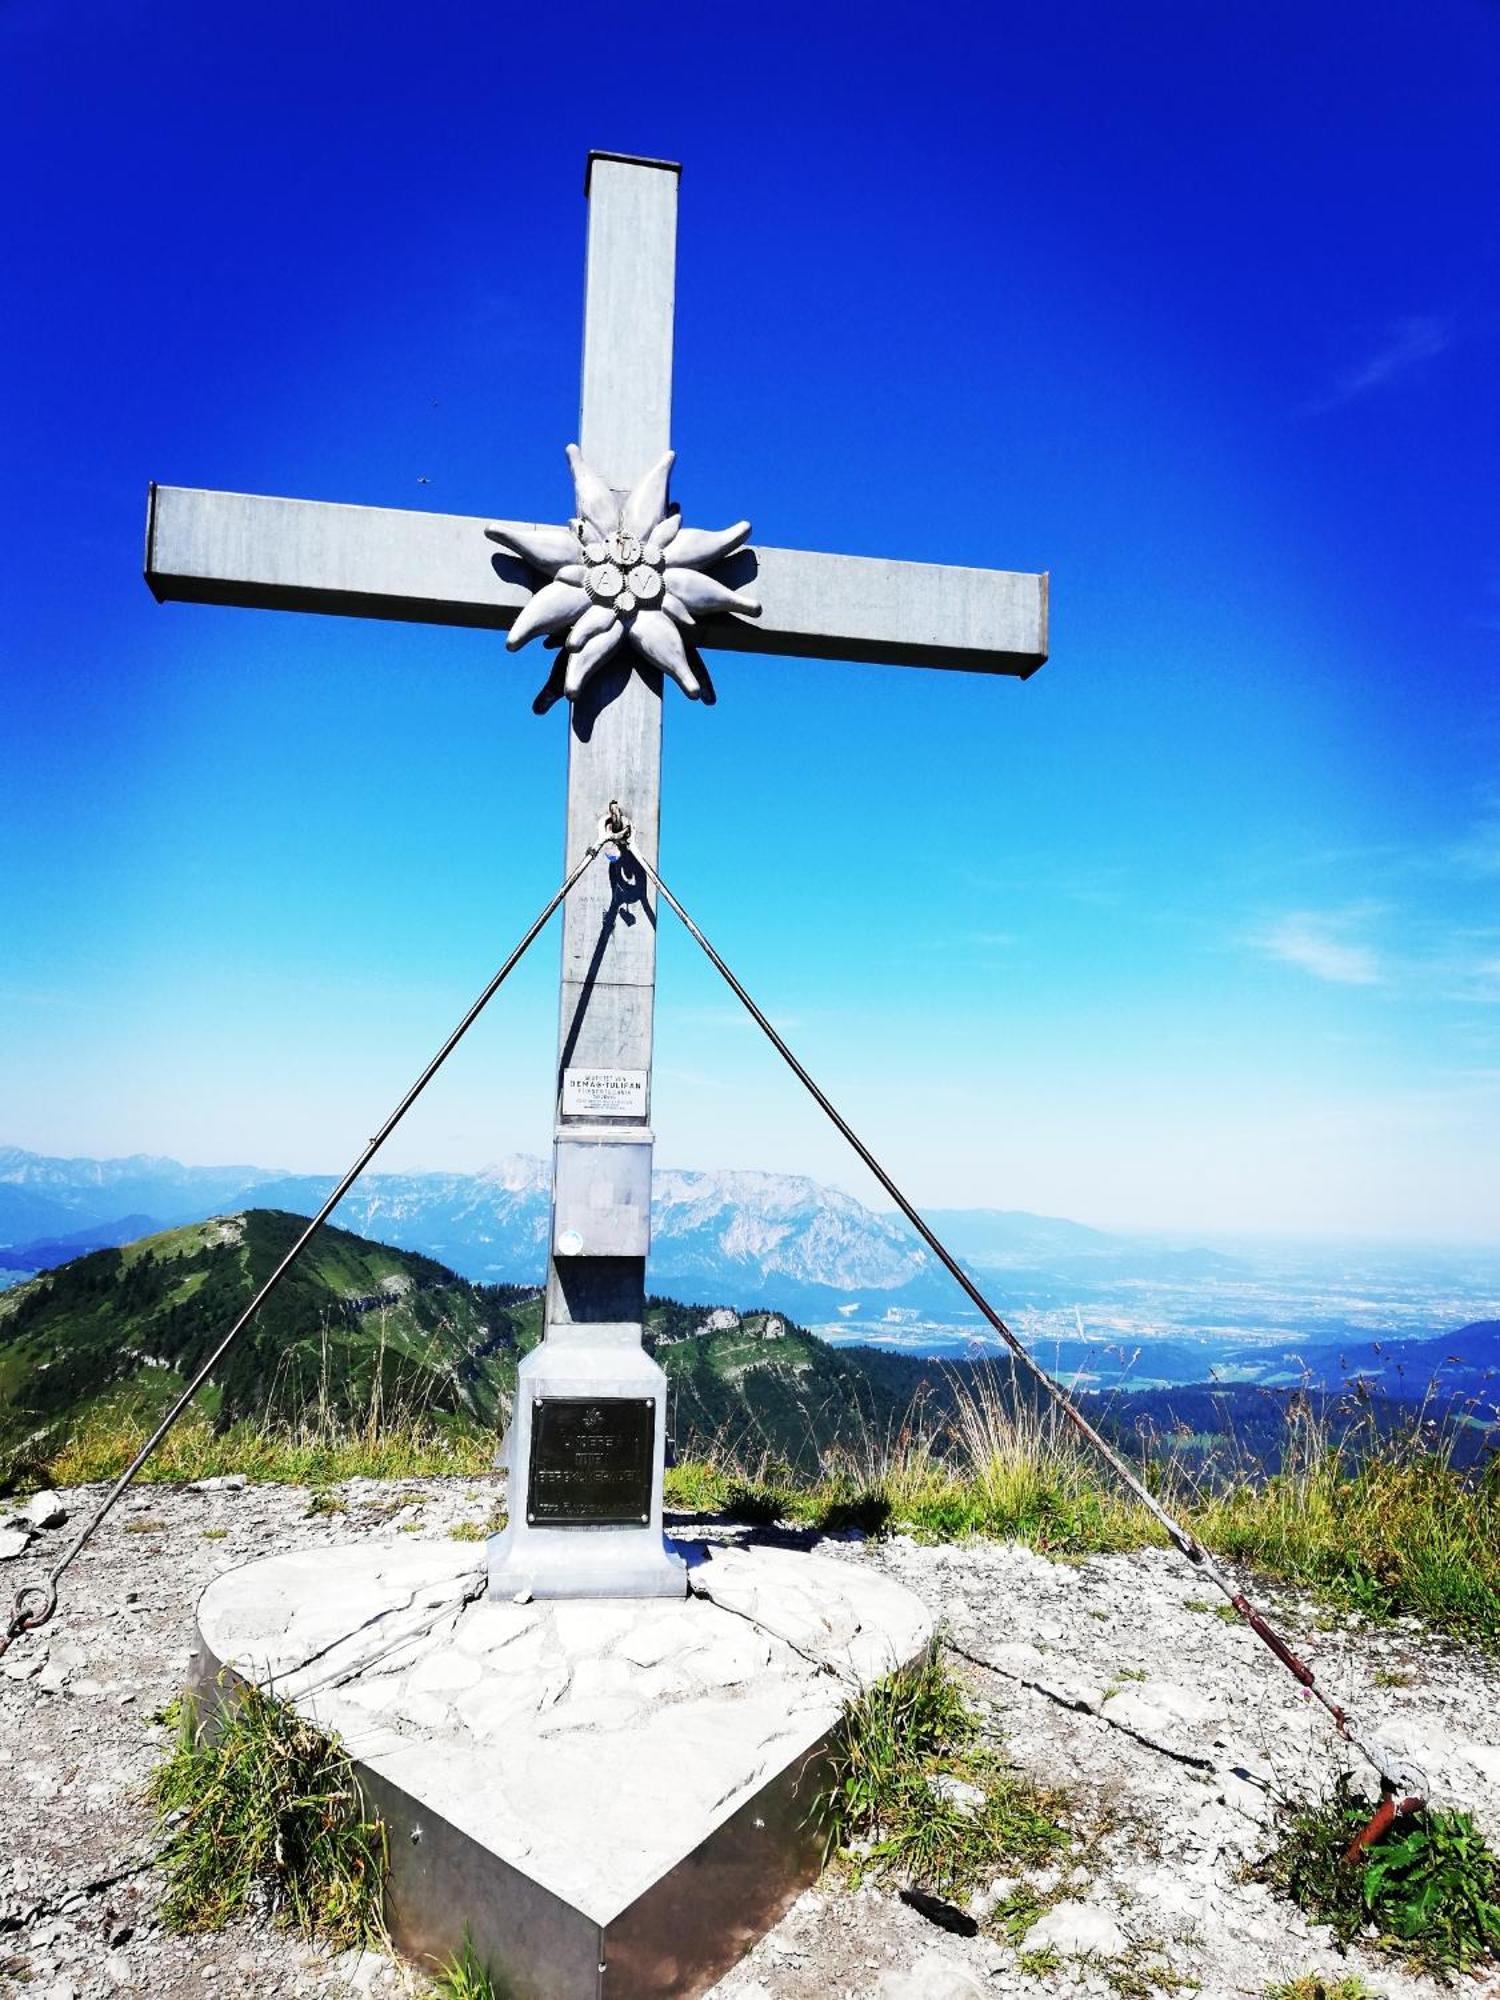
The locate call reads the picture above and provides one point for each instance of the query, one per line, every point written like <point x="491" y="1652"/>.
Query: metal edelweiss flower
<point x="622" y="570"/>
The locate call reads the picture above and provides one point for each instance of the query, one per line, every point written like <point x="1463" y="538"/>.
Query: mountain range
<point x="1157" y="1315"/>
<point x="750" y="1237"/>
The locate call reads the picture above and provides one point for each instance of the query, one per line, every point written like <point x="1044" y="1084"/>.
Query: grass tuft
<point x="318" y="1451"/>
<point x="263" y="1815"/>
<point x="1315" y="1986"/>
<point x="916" y="1789"/>
<point x="1429" y="1891"/>
<point x="464" y="1977"/>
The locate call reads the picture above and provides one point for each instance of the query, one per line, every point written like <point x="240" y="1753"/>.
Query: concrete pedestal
<point x="607" y="1367"/>
<point x="612" y="1795"/>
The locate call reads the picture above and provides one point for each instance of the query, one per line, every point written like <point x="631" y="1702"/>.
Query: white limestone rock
<point x="44" y="1510"/>
<point x="1077" y="1930"/>
<point x="933" y="1977"/>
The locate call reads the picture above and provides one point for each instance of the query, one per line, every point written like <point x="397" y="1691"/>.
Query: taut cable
<point x="34" y="1603"/>
<point x="1396" y="1776"/>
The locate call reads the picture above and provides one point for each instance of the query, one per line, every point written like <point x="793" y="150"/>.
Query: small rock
<point x="933" y="1977"/>
<point x="44" y="1510"/>
<point x="224" y="1482"/>
<point x="956" y="1792"/>
<point x="15" y="1539"/>
<point x="117" y="1968"/>
<point x="1077" y="1930"/>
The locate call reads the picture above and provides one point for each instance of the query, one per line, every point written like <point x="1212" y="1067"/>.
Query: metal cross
<point x="372" y="562"/>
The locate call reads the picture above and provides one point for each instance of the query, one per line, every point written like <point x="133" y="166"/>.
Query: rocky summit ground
<point x="1171" y="1729"/>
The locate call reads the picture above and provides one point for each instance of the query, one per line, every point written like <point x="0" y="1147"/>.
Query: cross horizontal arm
<point x="442" y="569"/>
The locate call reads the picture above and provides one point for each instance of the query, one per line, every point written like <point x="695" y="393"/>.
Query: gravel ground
<point x="1170" y="1728"/>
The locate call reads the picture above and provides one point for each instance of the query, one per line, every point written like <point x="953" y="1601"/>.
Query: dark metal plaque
<point x="591" y="1461"/>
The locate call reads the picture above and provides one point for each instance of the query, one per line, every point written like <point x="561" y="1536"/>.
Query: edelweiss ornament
<point x="622" y="570"/>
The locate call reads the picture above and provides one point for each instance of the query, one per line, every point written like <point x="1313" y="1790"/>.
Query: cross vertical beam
<point x="614" y="730"/>
<point x="591" y="1367"/>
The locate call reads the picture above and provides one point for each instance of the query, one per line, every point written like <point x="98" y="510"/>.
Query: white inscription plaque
<point x="611" y="1093"/>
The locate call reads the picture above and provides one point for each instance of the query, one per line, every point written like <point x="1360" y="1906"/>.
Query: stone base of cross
<point x="628" y="595"/>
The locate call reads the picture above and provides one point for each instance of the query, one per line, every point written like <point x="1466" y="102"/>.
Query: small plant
<point x="870" y="1513"/>
<point x="464" y="1977"/>
<point x="468" y="1531"/>
<point x="1036" y="1964"/>
<point x="913" y="1781"/>
<point x="757" y="1505"/>
<point x="324" y="1500"/>
<point x="1314" y="1986"/>
<point x="263" y="1813"/>
<point x="214" y="1534"/>
<point x="145" y="1527"/>
<point x="1430" y="1889"/>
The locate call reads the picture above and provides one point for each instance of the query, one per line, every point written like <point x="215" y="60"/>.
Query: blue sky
<point x="1197" y="307"/>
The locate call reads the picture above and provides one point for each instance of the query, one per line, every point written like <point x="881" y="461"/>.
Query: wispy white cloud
<point x="1324" y="943"/>
<point x="1404" y="344"/>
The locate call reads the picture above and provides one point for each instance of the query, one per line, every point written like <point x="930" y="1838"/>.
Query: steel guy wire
<point x="1396" y="1776"/>
<point x="34" y="1603"/>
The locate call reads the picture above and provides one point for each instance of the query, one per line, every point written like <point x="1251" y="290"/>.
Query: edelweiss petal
<point x="691" y="548"/>
<point x="546" y="549"/>
<point x="598" y="618"/>
<point x="648" y="499"/>
<point x="555" y="604"/>
<point x="596" y="503"/>
<point x="654" y="634"/>
<point x="593" y="655"/>
<point x="706" y="593"/>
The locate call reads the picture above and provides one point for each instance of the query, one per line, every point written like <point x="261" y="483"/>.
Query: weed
<point x="214" y="1534"/>
<point x="1037" y="1963"/>
<point x="912" y="1778"/>
<point x="464" y="1977"/>
<point x="263" y="1813"/>
<point x="1314" y="1986"/>
<point x="759" y="1506"/>
<point x="468" y="1531"/>
<point x="1393" y="1677"/>
<point x="324" y="1500"/>
<point x="145" y="1527"/>
<point x="1430" y="1889"/>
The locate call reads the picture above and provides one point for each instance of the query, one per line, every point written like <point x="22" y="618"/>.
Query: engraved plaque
<point x="591" y="1461"/>
<point x="609" y="1093"/>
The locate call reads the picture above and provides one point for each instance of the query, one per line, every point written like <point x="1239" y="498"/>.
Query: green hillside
<point x="360" y="1333"/>
<point x="354" y="1331"/>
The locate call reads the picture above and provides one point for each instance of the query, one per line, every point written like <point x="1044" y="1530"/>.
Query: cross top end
<point x="624" y="569"/>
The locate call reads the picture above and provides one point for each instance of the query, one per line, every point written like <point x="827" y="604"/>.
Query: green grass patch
<point x="262" y="1813"/>
<point x="1429" y="1890"/>
<point x="915" y="1787"/>
<point x="465" y="1977"/>
<point x="1387" y="1526"/>
<point x="1315" y="1986"/>
<point x="318" y="1452"/>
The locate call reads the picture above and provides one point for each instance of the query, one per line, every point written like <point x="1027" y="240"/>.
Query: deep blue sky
<point x="1197" y="307"/>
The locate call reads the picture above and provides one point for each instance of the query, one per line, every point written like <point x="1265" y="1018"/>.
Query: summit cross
<point x="627" y="594"/>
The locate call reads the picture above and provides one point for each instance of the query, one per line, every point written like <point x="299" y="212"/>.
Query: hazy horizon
<point x="872" y="1197"/>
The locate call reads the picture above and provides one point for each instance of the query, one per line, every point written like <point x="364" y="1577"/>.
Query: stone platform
<point x="612" y="1795"/>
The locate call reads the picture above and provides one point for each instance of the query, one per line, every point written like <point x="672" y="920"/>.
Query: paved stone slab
<point x="592" y="1745"/>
